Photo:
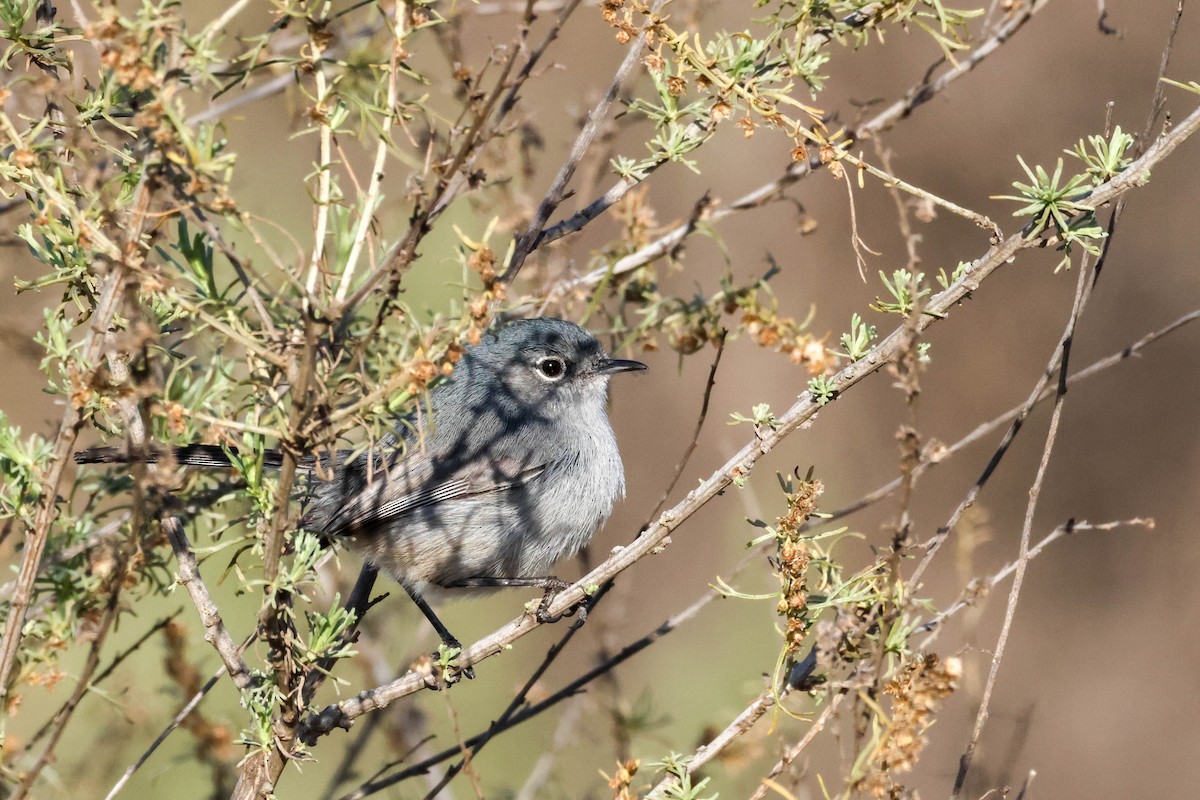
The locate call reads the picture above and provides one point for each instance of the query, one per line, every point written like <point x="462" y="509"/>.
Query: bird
<point x="513" y="467"/>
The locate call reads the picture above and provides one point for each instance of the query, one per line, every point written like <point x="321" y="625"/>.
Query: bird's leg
<point x="551" y="585"/>
<point x="448" y="639"/>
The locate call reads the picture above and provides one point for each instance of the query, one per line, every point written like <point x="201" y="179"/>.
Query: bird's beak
<point x="611" y="366"/>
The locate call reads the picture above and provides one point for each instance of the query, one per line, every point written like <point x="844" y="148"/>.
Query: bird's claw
<point x="543" y="614"/>
<point x="552" y="588"/>
<point x="446" y="657"/>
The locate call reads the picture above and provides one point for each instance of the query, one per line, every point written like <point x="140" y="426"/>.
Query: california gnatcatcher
<point x="513" y="467"/>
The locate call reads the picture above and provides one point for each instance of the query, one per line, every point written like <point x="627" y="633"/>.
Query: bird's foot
<point x="445" y="658"/>
<point x="552" y="587"/>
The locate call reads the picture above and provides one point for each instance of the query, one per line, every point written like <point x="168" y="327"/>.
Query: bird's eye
<point x="551" y="368"/>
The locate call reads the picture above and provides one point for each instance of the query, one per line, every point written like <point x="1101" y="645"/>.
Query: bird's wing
<point x="421" y="481"/>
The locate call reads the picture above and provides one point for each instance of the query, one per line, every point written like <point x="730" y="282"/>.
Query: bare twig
<point x="215" y="632"/>
<point x="400" y="23"/>
<point x="938" y="453"/>
<point x="1083" y="292"/>
<point x="322" y="114"/>
<point x="911" y="238"/>
<point x="794" y="752"/>
<point x="891" y="181"/>
<point x="540" y="773"/>
<point x="468" y="749"/>
<point x="400" y="255"/>
<point x="691" y="448"/>
<point x="530" y="238"/>
<point x="928" y="89"/>
<point x="1081" y="296"/>
<point x="102" y="674"/>
<point x="913" y="99"/>
<point x="175" y="722"/>
<point x="528" y="712"/>
<point x="1160" y="96"/>
<point x="742" y="723"/>
<point x="936" y="624"/>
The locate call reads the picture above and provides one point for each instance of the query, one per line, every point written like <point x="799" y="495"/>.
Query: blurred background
<point x="1098" y="692"/>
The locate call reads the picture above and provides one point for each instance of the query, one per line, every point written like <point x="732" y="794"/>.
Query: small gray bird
<point x="514" y="468"/>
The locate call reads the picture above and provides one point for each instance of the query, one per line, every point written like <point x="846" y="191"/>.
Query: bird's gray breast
<point x="552" y="492"/>
<point x="575" y="494"/>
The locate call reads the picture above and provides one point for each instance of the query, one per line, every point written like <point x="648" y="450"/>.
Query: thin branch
<point x="471" y="748"/>
<point x="218" y="25"/>
<point x="525" y="243"/>
<point x="939" y="453"/>
<point x="1081" y="297"/>
<point x="891" y="181"/>
<point x="400" y="22"/>
<point x="399" y="257"/>
<point x="175" y="722"/>
<point x="706" y="753"/>
<point x="935" y="625"/>
<point x="930" y="88"/>
<point x="215" y="632"/>
<point x="564" y="13"/>
<point x="324" y="170"/>
<point x="1160" y="94"/>
<point x="102" y="674"/>
<point x="567" y="724"/>
<point x="913" y="99"/>
<point x="794" y="752"/>
<point x="528" y="712"/>
<point x="691" y="448"/>
<point x="82" y="685"/>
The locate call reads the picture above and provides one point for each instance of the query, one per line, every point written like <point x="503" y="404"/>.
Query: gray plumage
<point x="513" y="468"/>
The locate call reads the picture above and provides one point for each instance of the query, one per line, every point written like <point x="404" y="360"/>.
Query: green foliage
<point x="1053" y="201"/>
<point x="1049" y="201"/>
<point x="762" y="417"/>
<point x="946" y="281"/>
<point x="260" y="702"/>
<point x="750" y="75"/>
<point x="823" y="388"/>
<point x="906" y="291"/>
<point x="857" y="343"/>
<point x="681" y="788"/>
<point x="20" y="465"/>
<point x="327" y="634"/>
<point x="1106" y="159"/>
<point x="178" y="305"/>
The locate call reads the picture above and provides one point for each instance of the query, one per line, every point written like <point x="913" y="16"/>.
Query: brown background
<point x="1099" y="689"/>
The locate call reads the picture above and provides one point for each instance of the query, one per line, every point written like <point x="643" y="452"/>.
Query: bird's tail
<point x="191" y="455"/>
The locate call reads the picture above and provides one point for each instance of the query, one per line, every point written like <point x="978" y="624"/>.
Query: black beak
<point x="611" y="366"/>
